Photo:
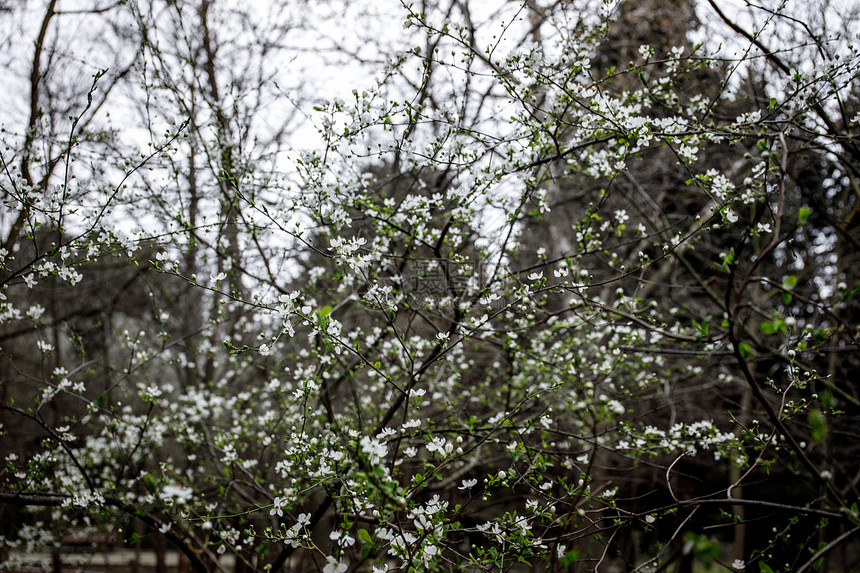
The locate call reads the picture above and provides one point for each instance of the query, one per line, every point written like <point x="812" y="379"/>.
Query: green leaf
<point x="803" y="215"/>
<point x="364" y="536"/>
<point x="745" y="350"/>
<point x="789" y="283"/>
<point x="819" y="425"/>
<point x="569" y="558"/>
<point x="150" y="482"/>
<point x="769" y="327"/>
<point x="764" y="567"/>
<point x="703" y="328"/>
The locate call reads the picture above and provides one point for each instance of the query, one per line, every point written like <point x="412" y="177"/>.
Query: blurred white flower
<point x="277" y="506"/>
<point x="467" y="483"/>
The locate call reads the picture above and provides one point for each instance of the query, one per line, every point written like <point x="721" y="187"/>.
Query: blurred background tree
<point x="558" y="286"/>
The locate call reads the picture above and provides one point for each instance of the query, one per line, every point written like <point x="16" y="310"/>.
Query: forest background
<point x="435" y="286"/>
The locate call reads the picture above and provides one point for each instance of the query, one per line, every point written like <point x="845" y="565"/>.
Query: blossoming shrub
<point x="518" y="309"/>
